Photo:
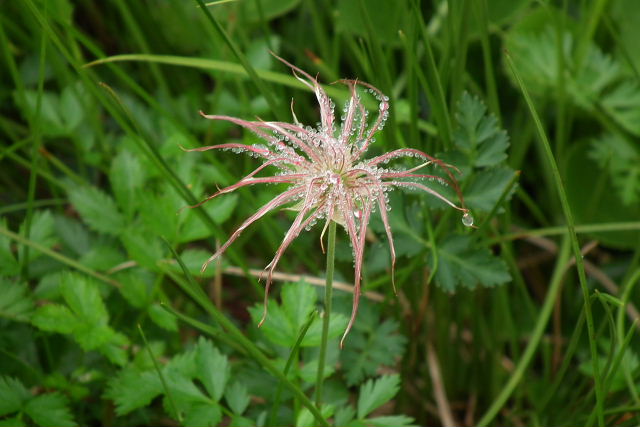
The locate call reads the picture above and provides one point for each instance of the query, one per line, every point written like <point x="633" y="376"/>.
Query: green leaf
<point x="601" y="84"/>
<point x="16" y="302"/>
<point x="213" y="369"/>
<point x="306" y="418"/>
<point x="159" y="214"/>
<point x="12" y="395"/>
<point x="344" y="415"/>
<point x="486" y="187"/>
<point x="97" y="209"/>
<point x="73" y="234"/>
<point x="594" y="198"/>
<point x="203" y="414"/>
<point x="42" y="231"/>
<point x="237" y="397"/>
<point x="238" y="421"/>
<point x="391" y="420"/>
<point x="71" y="108"/>
<point x="183" y="392"/>
<point x="16" y="421"/>
<point x="85" y="317"/>
<point x="621" y="160"/>
<point x="50" y="114"/>
<point x="132" y="389"/>
<point x="145" y="249"/>
<point x="55" y="318"/>
<point x="284" y="321"/>
<point x="193" y="260"/>
<point x="220" y="209"/>
<point x="370" y="345"/>
<point x="163" y="318"/>
<point x="135" y="288"/>
<point x="623" y="105"/>
<point x="102" y="257"/>
<point x="50" y="409"/>
<point x="127" y="177"/>
<point x="83" y="298"/>
<point x="309" y="372"/>
<point x="478" y="134"/>
<point x="460" y="263"/>
<point x="375" y="393"/>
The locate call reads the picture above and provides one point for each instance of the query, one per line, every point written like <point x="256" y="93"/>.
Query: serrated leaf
<point x="371" y="345"/>
<point x="97" y="209"/>
<point x="127" y="176"/>
<point x="103" y="256"/>
<point x="85" y="316"/>
<point x="135" y="288"/>
<point x="344" y="415"/>
<point x="203" y="414"/>
<point x="486" y="187"/>
<point x="16" y="303"/>
<point x="158" y="214"/>
<point x="73" y="234"/>
<point x="163" y="318"/>
<point x="306" y="418"/>
<point x="460" y="263"/>
<point x="623" y="104"/>
<point x="12" y="395"/>
<point x="375" y="393"/>
<point x="213" y="369"/>
<point x="145" y="249"/>
<point x="309" y="372"/>
<point x="184" y="394"/>
<point x="55" y="318"/>
<point x="115" y="352"/>
<point x="284" y="321"/>
<point x="622" y="161"/>
<point x="132" y="389"/>
<point x="237" y="397"/>
<point x="50" y="409"/>
<point x="600" y="84"/>
<point x="478" y="134"/>
<point x="41" y="231"/>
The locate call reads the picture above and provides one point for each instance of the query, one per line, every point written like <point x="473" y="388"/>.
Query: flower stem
<point x="328" y="288"/>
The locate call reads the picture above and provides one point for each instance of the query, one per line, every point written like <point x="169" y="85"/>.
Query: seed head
<point x="327" y="177"/>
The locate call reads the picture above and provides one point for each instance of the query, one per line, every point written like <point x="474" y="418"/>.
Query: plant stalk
<point x="328" y="289"/>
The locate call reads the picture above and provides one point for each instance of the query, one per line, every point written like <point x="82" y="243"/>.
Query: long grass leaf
<point x="566" y="209"/>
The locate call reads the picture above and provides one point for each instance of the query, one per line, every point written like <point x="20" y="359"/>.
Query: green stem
<point x="534" y="341"/>
<point x="571" y="228"/>
<point x="328" y="288"/>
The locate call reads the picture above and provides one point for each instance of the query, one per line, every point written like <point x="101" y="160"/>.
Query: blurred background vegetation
<point x="100" y="324"/>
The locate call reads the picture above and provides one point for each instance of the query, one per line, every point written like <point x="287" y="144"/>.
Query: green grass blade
<point x="566" y="209"/>
<point x="167" y="392"/>
<point x="534" y="340"/>
<point x="264" y="89"/>
<point x="293" y="355"/>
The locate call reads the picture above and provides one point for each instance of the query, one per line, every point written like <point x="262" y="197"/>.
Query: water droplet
<point x="467" y="219"/>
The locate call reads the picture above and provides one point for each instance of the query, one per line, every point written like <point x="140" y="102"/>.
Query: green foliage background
<point x="106" y="319"/>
